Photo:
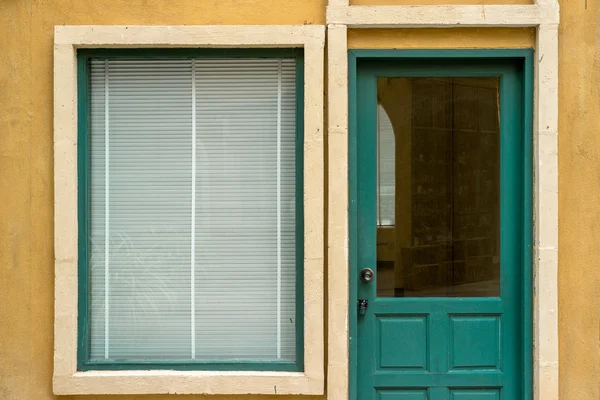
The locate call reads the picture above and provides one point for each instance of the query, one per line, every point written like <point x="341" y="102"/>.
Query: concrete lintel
<point x="448" y="16"/>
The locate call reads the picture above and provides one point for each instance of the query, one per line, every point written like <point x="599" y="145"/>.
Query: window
<point x="191" y="211"/>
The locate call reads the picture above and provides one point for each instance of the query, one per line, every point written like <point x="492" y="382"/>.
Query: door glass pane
<point x="439" y="164"/>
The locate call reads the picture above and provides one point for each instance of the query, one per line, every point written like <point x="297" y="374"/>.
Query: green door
<point x="438" y="205"/>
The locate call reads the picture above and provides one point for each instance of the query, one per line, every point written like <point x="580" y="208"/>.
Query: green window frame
<point x="83" y="333"/>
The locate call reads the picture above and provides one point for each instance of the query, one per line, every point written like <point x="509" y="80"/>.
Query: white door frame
<point x="542" y="15"/>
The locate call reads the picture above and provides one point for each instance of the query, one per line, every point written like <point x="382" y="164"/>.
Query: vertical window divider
<point x="106" y="210"/>
<point x="193" y="214"/>
<point x="279" y="72"/>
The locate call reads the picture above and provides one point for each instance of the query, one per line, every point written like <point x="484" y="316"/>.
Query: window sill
<point x="187" y="382"/>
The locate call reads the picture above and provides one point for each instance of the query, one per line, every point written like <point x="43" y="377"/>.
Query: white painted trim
<point x="546" y="3"/>
<point x="337" y="229"/>
<point x="185" y="382"/>
<point x="66" y="378"/>
<point x="441" y="16"/>
<point x="546" y="215"/>
<point x="215" y="36"/>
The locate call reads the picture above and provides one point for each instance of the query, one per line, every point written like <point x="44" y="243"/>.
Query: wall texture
<point x="26" y="167"/>
<point x="440" y="38"/>
<point x="579" y="195"/>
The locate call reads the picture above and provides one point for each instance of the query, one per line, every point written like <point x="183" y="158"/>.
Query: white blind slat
<point x="192" y="210"/>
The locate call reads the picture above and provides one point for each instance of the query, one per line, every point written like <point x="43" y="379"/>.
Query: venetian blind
<point x="192" y="209"/>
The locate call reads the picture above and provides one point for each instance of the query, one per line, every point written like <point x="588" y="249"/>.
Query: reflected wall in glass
<point x="438" y="218"/>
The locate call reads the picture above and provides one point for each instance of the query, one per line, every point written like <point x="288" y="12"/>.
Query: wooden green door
<point x="438" y="181"/>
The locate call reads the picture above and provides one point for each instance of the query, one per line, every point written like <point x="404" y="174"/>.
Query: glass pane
<point x="386" y="171"/>
<point x="192" y="231"/>
<point x="444" y="235"/>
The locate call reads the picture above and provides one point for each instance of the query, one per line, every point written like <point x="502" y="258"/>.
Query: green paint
<point x="299" y="213"/>
<point x="352" y="222"/>
<point x="191" y="53"/>
<point x="83" y="340"/>
<point x="82" y="211"/>
<point x="527" y="217"/>
<point x="426" y="362"/>
<point x="190" y="366"/>
<point x="441" y="55"/>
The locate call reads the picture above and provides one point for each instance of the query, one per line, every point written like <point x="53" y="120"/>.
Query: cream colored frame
<point x="544" y="15"/>
<point x="67" y="380"/>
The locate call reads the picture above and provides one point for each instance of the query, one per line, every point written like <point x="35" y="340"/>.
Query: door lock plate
<point x="362" y="305"/>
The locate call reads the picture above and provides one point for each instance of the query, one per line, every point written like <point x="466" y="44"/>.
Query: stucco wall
<point x="579" y="200"/>
<point x="440" y="38"/>
<point x="26" y="183"/>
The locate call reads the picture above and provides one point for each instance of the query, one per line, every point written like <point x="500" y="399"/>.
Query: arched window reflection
<point x="386" y="170"/>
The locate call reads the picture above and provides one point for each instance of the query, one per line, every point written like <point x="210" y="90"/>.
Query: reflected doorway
<point x="438" y="178"/>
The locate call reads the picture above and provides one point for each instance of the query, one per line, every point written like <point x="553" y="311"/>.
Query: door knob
<point x="367" y="275"/>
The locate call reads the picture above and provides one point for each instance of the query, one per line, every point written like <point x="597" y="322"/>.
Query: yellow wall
<point x="579" y="200"/>
<point x="26" y="166"/>
<point x="440" y="38"/>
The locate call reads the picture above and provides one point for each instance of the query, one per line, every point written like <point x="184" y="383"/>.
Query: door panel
<point x="439" y="166"/>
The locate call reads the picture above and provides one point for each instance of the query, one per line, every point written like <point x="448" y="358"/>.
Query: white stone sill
<point x="187" y="382"/>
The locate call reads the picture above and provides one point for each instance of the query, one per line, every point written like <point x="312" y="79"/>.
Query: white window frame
<point x="67" y="380"/>
<point x="542" y="15"/>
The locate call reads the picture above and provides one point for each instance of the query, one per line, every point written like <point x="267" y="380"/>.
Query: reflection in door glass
<point x="438" y="217"/>
<point x="386" y="172"/>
